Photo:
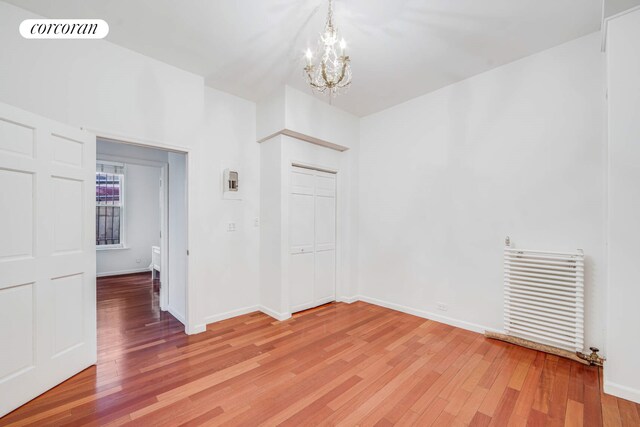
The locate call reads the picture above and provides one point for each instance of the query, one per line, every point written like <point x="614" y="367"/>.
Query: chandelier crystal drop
<point x="332" y="73"/>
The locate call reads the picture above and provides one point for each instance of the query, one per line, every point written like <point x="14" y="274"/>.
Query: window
<point x="109" y="205"/>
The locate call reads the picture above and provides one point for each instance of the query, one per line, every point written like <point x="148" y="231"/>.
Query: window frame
<point x="122" y="205"/>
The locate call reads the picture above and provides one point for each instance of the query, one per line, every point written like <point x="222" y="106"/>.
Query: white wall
<point x="622" y="375"/>
<point x="515" y="151"/>
<point x="309" y="116"/>
<point x="291" y="109"/>
<point x="97" y="85"/>
<point x="228" y="262"/>
<point x="271" y="244"/>
<point x="100" y="86"/>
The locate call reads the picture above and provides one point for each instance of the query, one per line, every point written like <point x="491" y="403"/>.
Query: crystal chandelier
<point x="333" y="73"/>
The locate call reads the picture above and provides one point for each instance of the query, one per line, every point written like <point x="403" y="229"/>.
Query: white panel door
<point x="47" y="254"/>
<point x="301" y="235"/>
<point x="312" y="228"/>
<point x="325" y="242"/>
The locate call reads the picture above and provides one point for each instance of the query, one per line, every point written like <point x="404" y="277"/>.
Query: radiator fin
<point x="544" y="297"/>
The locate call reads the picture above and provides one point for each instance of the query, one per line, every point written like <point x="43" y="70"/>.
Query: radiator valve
<point x="594" y="359"/>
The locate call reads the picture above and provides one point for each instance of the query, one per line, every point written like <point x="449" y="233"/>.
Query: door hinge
<point x="187" y="252"/>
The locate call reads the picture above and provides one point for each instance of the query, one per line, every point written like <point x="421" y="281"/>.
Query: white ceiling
<point x="399" y="49"/>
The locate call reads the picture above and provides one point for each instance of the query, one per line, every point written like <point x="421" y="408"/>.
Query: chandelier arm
<point x="342" y="72"/>
<point x="328" y="82"/>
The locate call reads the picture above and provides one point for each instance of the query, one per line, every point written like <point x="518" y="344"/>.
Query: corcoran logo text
<point x="64" y="29"/>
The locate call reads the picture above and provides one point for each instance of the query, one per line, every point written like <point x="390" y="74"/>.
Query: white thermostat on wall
<point x="230" y="184"/>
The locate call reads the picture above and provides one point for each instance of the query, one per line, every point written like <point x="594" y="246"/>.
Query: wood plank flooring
<point x="339" y="364"/>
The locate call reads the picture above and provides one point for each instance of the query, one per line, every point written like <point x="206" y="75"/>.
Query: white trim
<point x="229" y="314"/>
<point x="274" y="314"/>
<point x="122" y="272"/>
<point x="197" y="329"/>
<point x="164" y="239"/>
<point x="621" y="391"/>
<point x="111" y="247"/>
<point x="312" y="167"/>
<point x="304" y="137"/>
<point x="474" y="327"/>
<point x="124" y="139"/>
<point x="108" y="158"/>
<point x="605" y="23"/>
<point x="348" y="300"/>
<point x="614" y="389"/>
<point x="177" y="316"/>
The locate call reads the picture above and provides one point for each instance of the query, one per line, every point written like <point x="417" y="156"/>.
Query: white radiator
<point x="544" y="296"/>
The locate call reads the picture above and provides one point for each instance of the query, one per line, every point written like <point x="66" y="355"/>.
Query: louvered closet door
<point x="47" y="255"/>
<point x="312" y="221"/>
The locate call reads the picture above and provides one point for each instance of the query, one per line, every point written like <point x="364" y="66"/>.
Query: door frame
<point x="164" y="295"/>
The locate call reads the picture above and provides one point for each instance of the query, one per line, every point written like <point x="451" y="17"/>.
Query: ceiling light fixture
<point x="333" y="72"/>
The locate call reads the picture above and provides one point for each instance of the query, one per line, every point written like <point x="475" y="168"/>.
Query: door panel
<point x="17" y="300"/>
<point x="67" y="195"/>
<point x="325" y="223"/>
<point x="301" y="223"/>
<point x="69" y="320"/>
<point x="302" y="181"/>
<point x="16" y="209"/>
<point x="325" y="276"/>
<point x="47" y="258"/>
<point x="326" y="184"/>
<point x="301" y="278"/>
<point x="16" y="138"/>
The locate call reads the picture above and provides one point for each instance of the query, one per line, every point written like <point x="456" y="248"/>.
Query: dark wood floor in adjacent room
<point x="355" y="364"/>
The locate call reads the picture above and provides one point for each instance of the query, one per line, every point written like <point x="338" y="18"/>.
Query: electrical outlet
<point x="442" y="306"/>
<point x="138" y="260"/>
<point x="231" y="226"/>
<point x="256" y="222"/>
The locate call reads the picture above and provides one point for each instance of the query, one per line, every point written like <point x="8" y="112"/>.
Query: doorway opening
<point x="141" y="221"/>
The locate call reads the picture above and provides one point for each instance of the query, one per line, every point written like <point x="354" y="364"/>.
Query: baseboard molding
<point x="196" y="329"/>
<point x="180" y="318"/>
<point x="621" y="391"/>
<point x="274" y="314"/>
<point x="474" y="327"/>
<point x="123" y="272"/>
<point x="348" y="300"/>
<point x="229" y="314"/>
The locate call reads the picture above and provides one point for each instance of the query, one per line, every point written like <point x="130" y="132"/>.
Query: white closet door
<point x="325" y="247"/>
<point x="47" y="254"/>
<point x="301" y="220"/>
<point x="312" y="222"/>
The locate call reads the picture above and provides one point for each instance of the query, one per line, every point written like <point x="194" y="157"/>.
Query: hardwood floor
<point x="355" y="364"/>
